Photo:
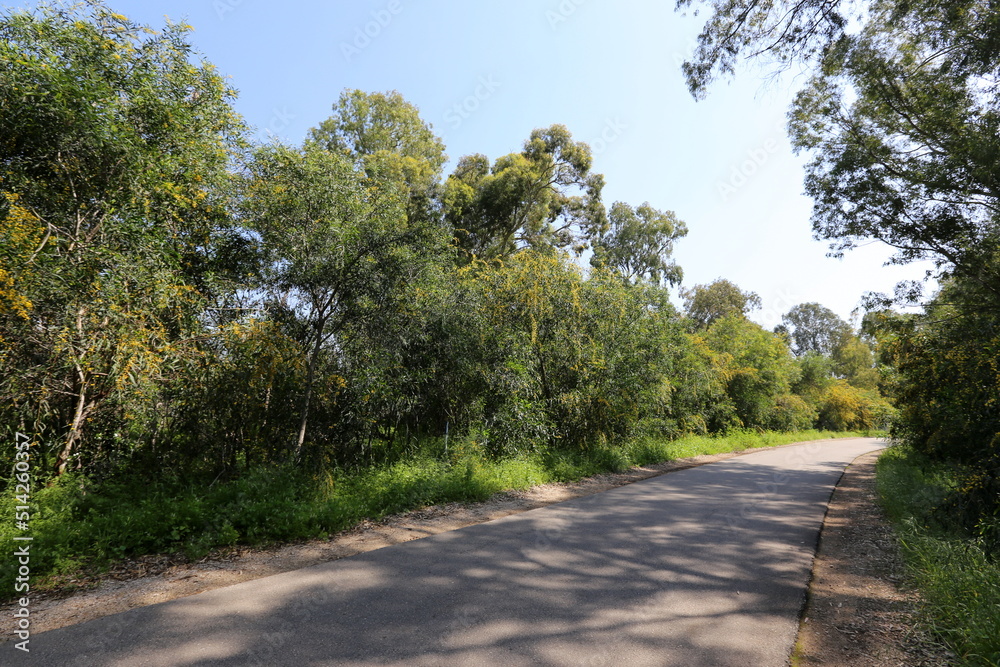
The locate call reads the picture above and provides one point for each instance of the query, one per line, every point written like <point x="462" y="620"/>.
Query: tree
<point x="943" y="377"/>
<point x="338" y="250"/>
<point x="900" y="118"/>
<point x="543" y="197"/>
<point x="815" y="375"/>
<point x="785" y="31"/>
<point x="944" y="365"/>
<point x="853" y="360"/>
<point x="758" y="368"/>
<point x="814" y="328"/>
<point x="387" y="139"/>
<point x="571" y="361"/>
<point x="912" y="161"/>
<point x="639" y="242"/>
<point x="705" y="304"/>
<point x="112" y="161"/>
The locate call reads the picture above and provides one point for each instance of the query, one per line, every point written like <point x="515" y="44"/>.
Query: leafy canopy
<point x="543" y="197"/>
<point x="387" y="139"/>
<point x="812" y="327"/>
<point x="639" y="243"/>
<point x="705" y="304"/>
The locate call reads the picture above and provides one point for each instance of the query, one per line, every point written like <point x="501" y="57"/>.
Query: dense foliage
<point x="179" y="304"/>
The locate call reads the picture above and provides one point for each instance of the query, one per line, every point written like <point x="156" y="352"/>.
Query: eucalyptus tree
<point x="813" y="327"/>
<point x="542" y="197"/>
<point x="639" y="242"/>
<point x="900" y="116"/>
<point x="704" y="304"/>
<point x="388" y="140"/>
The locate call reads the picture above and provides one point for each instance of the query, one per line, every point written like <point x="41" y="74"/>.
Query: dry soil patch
<point x="859" y="613"/>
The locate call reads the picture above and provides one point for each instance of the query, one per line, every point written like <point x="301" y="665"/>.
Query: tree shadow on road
<point x="702" y="566"/>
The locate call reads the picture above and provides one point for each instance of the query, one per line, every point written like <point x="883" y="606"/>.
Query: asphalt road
<point x="705" y="566"/>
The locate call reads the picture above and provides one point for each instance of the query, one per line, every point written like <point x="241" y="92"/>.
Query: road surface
<point x="704" y="566"/>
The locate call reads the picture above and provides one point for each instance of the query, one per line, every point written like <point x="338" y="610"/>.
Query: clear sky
<point x="485" y="73"/>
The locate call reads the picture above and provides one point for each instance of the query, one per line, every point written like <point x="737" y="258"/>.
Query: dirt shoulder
<point x="858" y="612"/>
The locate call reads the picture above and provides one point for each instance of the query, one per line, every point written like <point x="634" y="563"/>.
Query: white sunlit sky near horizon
<point x="486" y="73"/>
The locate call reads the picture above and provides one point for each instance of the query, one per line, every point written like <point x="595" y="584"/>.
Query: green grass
<point x="77" y="526"/>
<point x="958" y="581"/>
<point x="651" y="450"/>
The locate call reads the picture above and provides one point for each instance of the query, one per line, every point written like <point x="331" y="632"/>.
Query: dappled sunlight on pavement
<point x="705" y="566"/>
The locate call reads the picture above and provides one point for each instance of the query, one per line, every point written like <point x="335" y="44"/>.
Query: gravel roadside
<point x="859" y="612"/>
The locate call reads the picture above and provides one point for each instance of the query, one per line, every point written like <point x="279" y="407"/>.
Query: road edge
<point x="857" y="610"/>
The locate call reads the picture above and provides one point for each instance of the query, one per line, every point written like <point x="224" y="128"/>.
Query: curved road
<point x="704" y="566"/>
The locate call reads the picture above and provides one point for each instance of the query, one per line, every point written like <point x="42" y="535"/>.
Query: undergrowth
<point x="955" y="574"/>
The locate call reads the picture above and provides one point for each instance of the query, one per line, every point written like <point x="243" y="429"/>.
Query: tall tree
<point x="705" y="304"/>
<point x="854" y="361"/>
<point x="113" y="153"/>
<point x="338" y="250"/>
<point x="900" y="117"/>
<point x="784" y="31"/>
<point x="386" y="137"/>
<point x="639" y="243"/>
<point x="812" y="327"/>
<point x="544" y="196"/>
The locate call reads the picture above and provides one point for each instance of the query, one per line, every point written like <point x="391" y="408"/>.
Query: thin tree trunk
<point x="307" y="399"/>
<point x="76" y="428"/>
<point x="80" y="413"/>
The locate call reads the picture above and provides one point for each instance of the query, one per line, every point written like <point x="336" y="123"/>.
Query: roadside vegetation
<point x="955" y="571"/>
<point x="206" y="340"/>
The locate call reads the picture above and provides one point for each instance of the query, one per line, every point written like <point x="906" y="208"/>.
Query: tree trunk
<point x="76" y="428"/>
<point x="307" y="399"/>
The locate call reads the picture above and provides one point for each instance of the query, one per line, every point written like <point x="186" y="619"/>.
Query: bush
<point x="843" y="407"/>
<point x="792" y="413"/>
<point x="954" y="572"/>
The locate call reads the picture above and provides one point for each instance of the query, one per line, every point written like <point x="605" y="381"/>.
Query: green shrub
<point x="954" y="572"/>
<point x="792" y="413"/>
<point x="845" y="407"/>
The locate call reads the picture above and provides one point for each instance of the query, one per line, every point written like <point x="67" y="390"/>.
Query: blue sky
<point x="486" y="73"/>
